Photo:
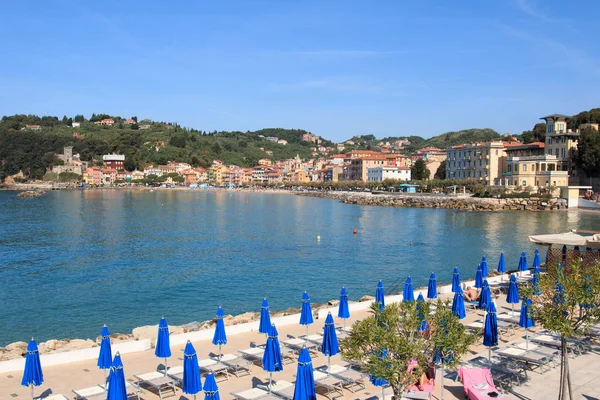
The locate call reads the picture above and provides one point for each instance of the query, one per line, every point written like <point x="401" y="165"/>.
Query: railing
<point x="394" y="287"/>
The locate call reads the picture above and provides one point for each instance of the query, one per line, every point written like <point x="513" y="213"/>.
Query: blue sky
<point x="336" y="68"/>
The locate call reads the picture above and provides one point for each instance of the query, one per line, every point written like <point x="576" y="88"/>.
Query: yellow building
<point x="529" y="165"/>
<point x="560" y="141"/>
<point x="481" y="161"/>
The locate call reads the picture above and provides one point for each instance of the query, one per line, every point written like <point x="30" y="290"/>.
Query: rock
<point x="78" y="344"/>
<point x="51" y="344"/>
<point x="146" y="332"/>
<point x="367" y="298"/>
<point x="17" y="347"/>
<point x="191" y="327"/>
<point x="333" y="302"/>
<point x="241" y="319"/>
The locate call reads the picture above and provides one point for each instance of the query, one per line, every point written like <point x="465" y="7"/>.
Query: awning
<point x="568" y="238"/>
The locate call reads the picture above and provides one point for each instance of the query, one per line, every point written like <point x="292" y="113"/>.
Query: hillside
<point x="31" y="150"/>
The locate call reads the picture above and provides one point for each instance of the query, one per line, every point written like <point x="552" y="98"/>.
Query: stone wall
<point x="442" y="201"/>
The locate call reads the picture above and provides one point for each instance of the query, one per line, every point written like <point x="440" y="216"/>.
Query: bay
<point x="72" y="261"/>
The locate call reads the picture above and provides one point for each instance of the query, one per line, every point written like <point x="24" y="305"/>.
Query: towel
<point x="481" y="386"/>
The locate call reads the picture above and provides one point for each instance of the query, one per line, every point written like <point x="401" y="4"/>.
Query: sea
<point x="71" y="261"/>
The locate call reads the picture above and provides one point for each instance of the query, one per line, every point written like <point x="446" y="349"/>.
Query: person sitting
<point x="471" y="294"/>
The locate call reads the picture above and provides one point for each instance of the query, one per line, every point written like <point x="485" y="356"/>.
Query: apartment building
<point x="530" y="165"/>
<point x="483" y="161"/>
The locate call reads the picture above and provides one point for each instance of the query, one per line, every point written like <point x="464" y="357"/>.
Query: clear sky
<point x="336" y="68"/>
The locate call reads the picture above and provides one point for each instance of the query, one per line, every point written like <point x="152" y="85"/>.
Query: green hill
<point x="32" y="150"/>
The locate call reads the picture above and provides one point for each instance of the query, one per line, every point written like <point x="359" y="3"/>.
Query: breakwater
<point x="442" y="201"/>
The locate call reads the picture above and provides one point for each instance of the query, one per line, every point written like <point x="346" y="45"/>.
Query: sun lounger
<point x="96" y="392"/>
<point x="297" y="344"/>
<point x="574" y="346"/>
<point x="283" y="389"/>
<point x="330" y="383"/>
<point x="504" y="373"/>
<point x="215" y="367"/>
<point x="352" y="379"/>
<point x="504" y="328"/>
<point x="254" y="394"/>
<point x="478" y="383"/>
<point x="316" y="338"/>
<point x="56" y="397"/>
<point x="176" y="373"/>
<point x="508" y="317"/>
<point x="237" y="365"/>
<point x="162" y="383"/>
<point x="529" y="358"/>
<point x="549" y="352"/>
<point x="255" y="354"/>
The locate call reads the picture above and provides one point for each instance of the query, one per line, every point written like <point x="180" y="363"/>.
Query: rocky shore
<point x="442" y="201"/>
<point x="32" y="193"/>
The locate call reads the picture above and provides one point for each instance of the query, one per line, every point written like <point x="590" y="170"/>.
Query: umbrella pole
<point x="270" y="381"/>
<point x="527" y="339"/>
<point x="32" y="397"/>
<point x="306" y="337"/>
<point x="328" y="364"/>
<point x="219" y="352"/>
<point x="490" y="354"/>
<point x="382" y="393"/>
<point x="442" y="380"/>
<point x="165" y="367"/>
<point x="105" y="385"/>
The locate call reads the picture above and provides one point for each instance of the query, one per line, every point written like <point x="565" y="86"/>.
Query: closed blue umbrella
<point x="432" y="287"/>
<point x="564" y="253"/>
<point x="116" y="380"/>
<point x="408" y="295"/>
<point x="523" y="263"/>
<point x="501" y="266"/>
<point x="343" y="309"/>
<point x="535" y="281"/>
<point x="272" y="361"/>
<point x="525" y="320"/>
<point x="423" y="326"/>
<point x="105" y="356"/>
<point x="536" y="258"/>
<point x="484" y="267"/>
<point x="455" y="280"/>
<point x="211" y="390"/>
<point x="219" y="338"/>
<point x="512" y="297"/>
<point x="458" y="304"/>
<point x="305" y="380"/>
<point x="490" y="329"/>
<point x="485" y="297"/>
<point x="163" y="347"/>
<point x="380" y="295"/>
<point x="478" y="277"/>
<point x="380" y="381"/>
<point x="306" y="317"/>
<point x="330" y="346"/>
<point x="32" y="375"/>
<point x="265" y="318"/>
<point x="589" y="294"/>
<point x="559" y="295"/>
<point x="191" y="372"/>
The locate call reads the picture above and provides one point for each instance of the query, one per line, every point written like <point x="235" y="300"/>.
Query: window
<point x="556" y="151"/>
<point x="524" y="183"/>
<point x="524" y="167"/>
<point x="550" y="151"/>
<point x="564" y="139"/>
<point x="562" y="151"/>
<point x="509" y="168"/>
<point x="516" y="167"/>
<point x="496" y="151"/>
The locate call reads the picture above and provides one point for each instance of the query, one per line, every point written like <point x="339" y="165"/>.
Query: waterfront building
<point x="92" y="176"/>
<point x="259" y="174"/>
<point x="109" y="176"/>
<point x="483" y="161"/>
<point x="379" y="174"/>
<point x="560" y="141"/>
<point x="264" y="161"/>
<point x="529" y="165"/>
<point x="357" y="169"/>
<point x="71" y="163"/>
<point x="137" y="175"/>
<point x="151" y="170"/>
<point x="114" y="161"/>
<point x="429" y="154"/>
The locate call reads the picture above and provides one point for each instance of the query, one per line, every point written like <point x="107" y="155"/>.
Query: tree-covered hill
<point x="32" y="150"/>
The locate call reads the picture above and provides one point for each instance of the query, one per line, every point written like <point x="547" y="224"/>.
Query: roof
<point x="521" y="146"/>
<point x="555" y="116"/>
<point x="568" y="238"/>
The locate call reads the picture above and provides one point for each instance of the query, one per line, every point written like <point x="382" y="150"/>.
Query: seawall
<point x="441" y="201"/>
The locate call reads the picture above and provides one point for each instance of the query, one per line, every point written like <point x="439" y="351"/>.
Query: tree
<point x="588" y="152"/>
<point x="135" y="127"/>
<point x="419" y="171"/>
<point x="68" y="177"/>
<point x="387" y="341"/>
<point x="441" y="171"/>
<point x="79" y="118"/>
<point x="559" y="308"/>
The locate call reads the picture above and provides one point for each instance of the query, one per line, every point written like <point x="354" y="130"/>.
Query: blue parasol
<point x="484" y="267"/>
<point x="536" y="258"/>
<point x="163" y="347"/>
<point x="535" y="282"/>
<point x="485" y="297"/>
<point x="525" y="320"/>
<point x="512" y="297"/>
<point x="478" y="277"/>
<point x="211" y="390"/>
<point x="305" y="380"/>
<point x="380" y="295"/>
<point x="219" y="338"/>
<point x="501" y="266"/>
<point x="423" y="326"/>
<point x="272" y="361"/>
<point x="380" y="381"/>
<point x="116" y="380"/>
<point x="306" y="317"/>
<point x="432" y="287"/>
<point x="32" y="375"/>
<point x="105" y="356"/>
<point x="408" y="295"/>
<point x="458" y="304"/>
<point x="330" y="346"/>
<point x="523" y="263"/>
<point x="190" y="383"/>
<point x="490" y="329"/>
<point x="265" y="318"/>
<point x="343" y="309"/>
<point x="455" y="280"/>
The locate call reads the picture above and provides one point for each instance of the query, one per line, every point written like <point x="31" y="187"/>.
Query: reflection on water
<point x="73" y="261"/>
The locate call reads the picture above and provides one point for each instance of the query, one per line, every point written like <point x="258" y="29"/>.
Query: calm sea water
<point x="72" y="261"/>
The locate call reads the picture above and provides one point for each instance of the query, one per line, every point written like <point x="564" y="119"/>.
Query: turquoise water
<point x="72" y="261"/>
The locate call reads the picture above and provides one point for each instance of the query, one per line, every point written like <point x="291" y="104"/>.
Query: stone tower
<point x="68" y="154"/>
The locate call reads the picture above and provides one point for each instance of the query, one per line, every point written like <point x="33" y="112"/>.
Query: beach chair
<point x="549" y="352"/>
<point x="95" y="392"/>
<point x="176" y="373"/>
<point x="574" y="347"/>
<point x="239" y="366"/>
<point x="504" y="328"/>
<point x="330" y="383"/>
<point x="255" y="354"/>
<point x="209" y="365"/>
<point x="508" y="317"/>
<point x="352" y="379"/>
<point x="478" y="383"/>
<point x="316" y="338"/>
<point x="158" y="381"/>
<point x="530" y="359"/>
<point x="424" y="391"/>
<point x="56" y="396"/>
<point x="297" y="344"/>
<point x="254" y="394"/>
<point x="283" y="389"/>
<point x="504" y="373"/>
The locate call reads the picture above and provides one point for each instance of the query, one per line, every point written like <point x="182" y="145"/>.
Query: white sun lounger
<point x="164" y="384"/>
<point x="56" y="397"/>
<point x="283" y="389"/>
<point x="504" y="327"/>
<point x="549" y="352"/>
<point x="352" y="379"/>
<point x="529" y="358"/>
<point x="255" y="354"/>
<point x="96" y="392"/>
<point x="548" y="340"/>
<point x="297" y="344"/>
<point x="508" y="317"/>
<point x="237" y="365"/>
<point x="254" y="394"/>
<point x="176" y="373"/>
<point x="328" y="382"/>
<point x="209" y="365"/>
